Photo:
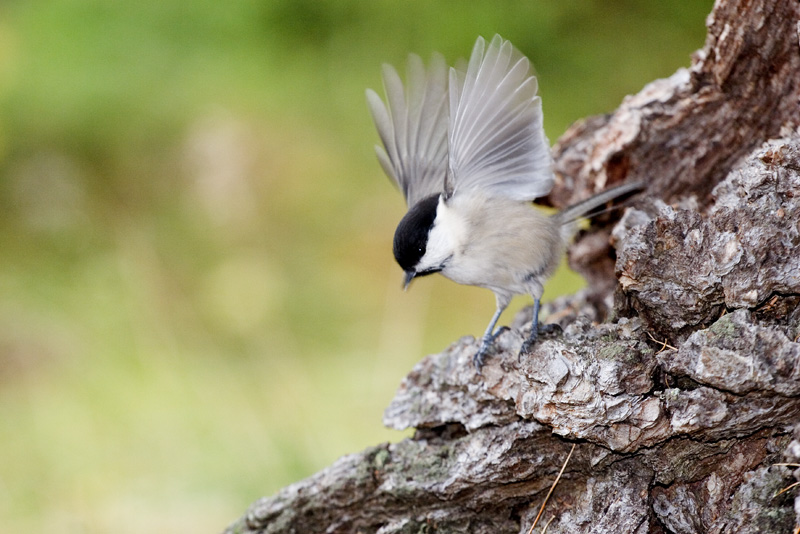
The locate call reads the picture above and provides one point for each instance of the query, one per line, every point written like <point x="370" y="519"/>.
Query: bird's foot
<point x="500" y="331"/>
<point x="527" y="346"/>
<point x="550" y="329"/>
<point x="486" y="344"/>
<point x="480" y="357"/>
<point x="545" y="330"/>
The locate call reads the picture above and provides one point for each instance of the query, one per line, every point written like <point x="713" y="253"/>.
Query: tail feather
<point x="571" y="213"/>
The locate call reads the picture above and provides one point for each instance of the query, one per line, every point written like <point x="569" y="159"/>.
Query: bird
<point x="467" y="149"/>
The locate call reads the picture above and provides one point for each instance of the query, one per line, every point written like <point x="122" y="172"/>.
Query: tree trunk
<point x="681" y="406"/>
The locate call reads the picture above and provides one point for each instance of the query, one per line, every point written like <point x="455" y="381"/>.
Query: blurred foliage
<point x="199" y="303"/>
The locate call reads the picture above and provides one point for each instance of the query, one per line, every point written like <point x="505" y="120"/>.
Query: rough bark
<point x="683" y="134"/>
<point x="681" y="405"/>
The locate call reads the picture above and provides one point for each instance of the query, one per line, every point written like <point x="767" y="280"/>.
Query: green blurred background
<point x="198" y="301"/>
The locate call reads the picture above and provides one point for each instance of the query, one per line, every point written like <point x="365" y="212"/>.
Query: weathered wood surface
<point x="678" y="435"/>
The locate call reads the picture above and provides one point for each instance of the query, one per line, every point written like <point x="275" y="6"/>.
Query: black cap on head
<point x="411" y="236"/>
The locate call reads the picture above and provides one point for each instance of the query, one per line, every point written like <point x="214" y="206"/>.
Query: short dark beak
<point x="408" y="278"/>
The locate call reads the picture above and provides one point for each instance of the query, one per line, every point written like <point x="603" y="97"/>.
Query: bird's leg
<point x="537" y="329"/>
<point x="531" y="341"/>
<point x="489" y="336"/>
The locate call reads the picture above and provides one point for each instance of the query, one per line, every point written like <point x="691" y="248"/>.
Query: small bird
<point x="469" y="152"/>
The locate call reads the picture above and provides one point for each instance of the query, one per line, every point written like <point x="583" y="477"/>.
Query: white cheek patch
<point x="444" y="238"/>
<point x="438" y="249"/>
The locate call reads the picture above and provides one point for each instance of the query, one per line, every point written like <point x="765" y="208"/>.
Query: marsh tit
<point x="469" y="153"/>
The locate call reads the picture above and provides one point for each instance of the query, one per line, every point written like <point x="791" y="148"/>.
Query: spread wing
<point x="413" y="127"/>
<point x="496" y="137"/>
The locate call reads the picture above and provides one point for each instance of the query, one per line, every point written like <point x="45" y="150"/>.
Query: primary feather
<point x="481" y="132"/>
<point x="413" y="128"/>
<point x="496" y="139"/>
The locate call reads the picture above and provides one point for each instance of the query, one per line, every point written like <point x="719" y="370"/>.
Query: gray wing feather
<point x="412" y="125"/>
<point x="496" y="137"/>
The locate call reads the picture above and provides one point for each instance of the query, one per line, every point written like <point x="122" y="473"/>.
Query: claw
<point x="527" y="345"/>
<point x="478" y="360"/>
<point x="480" y="357"/>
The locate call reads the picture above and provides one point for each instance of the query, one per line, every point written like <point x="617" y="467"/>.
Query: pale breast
<point x="507" y="245"/>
